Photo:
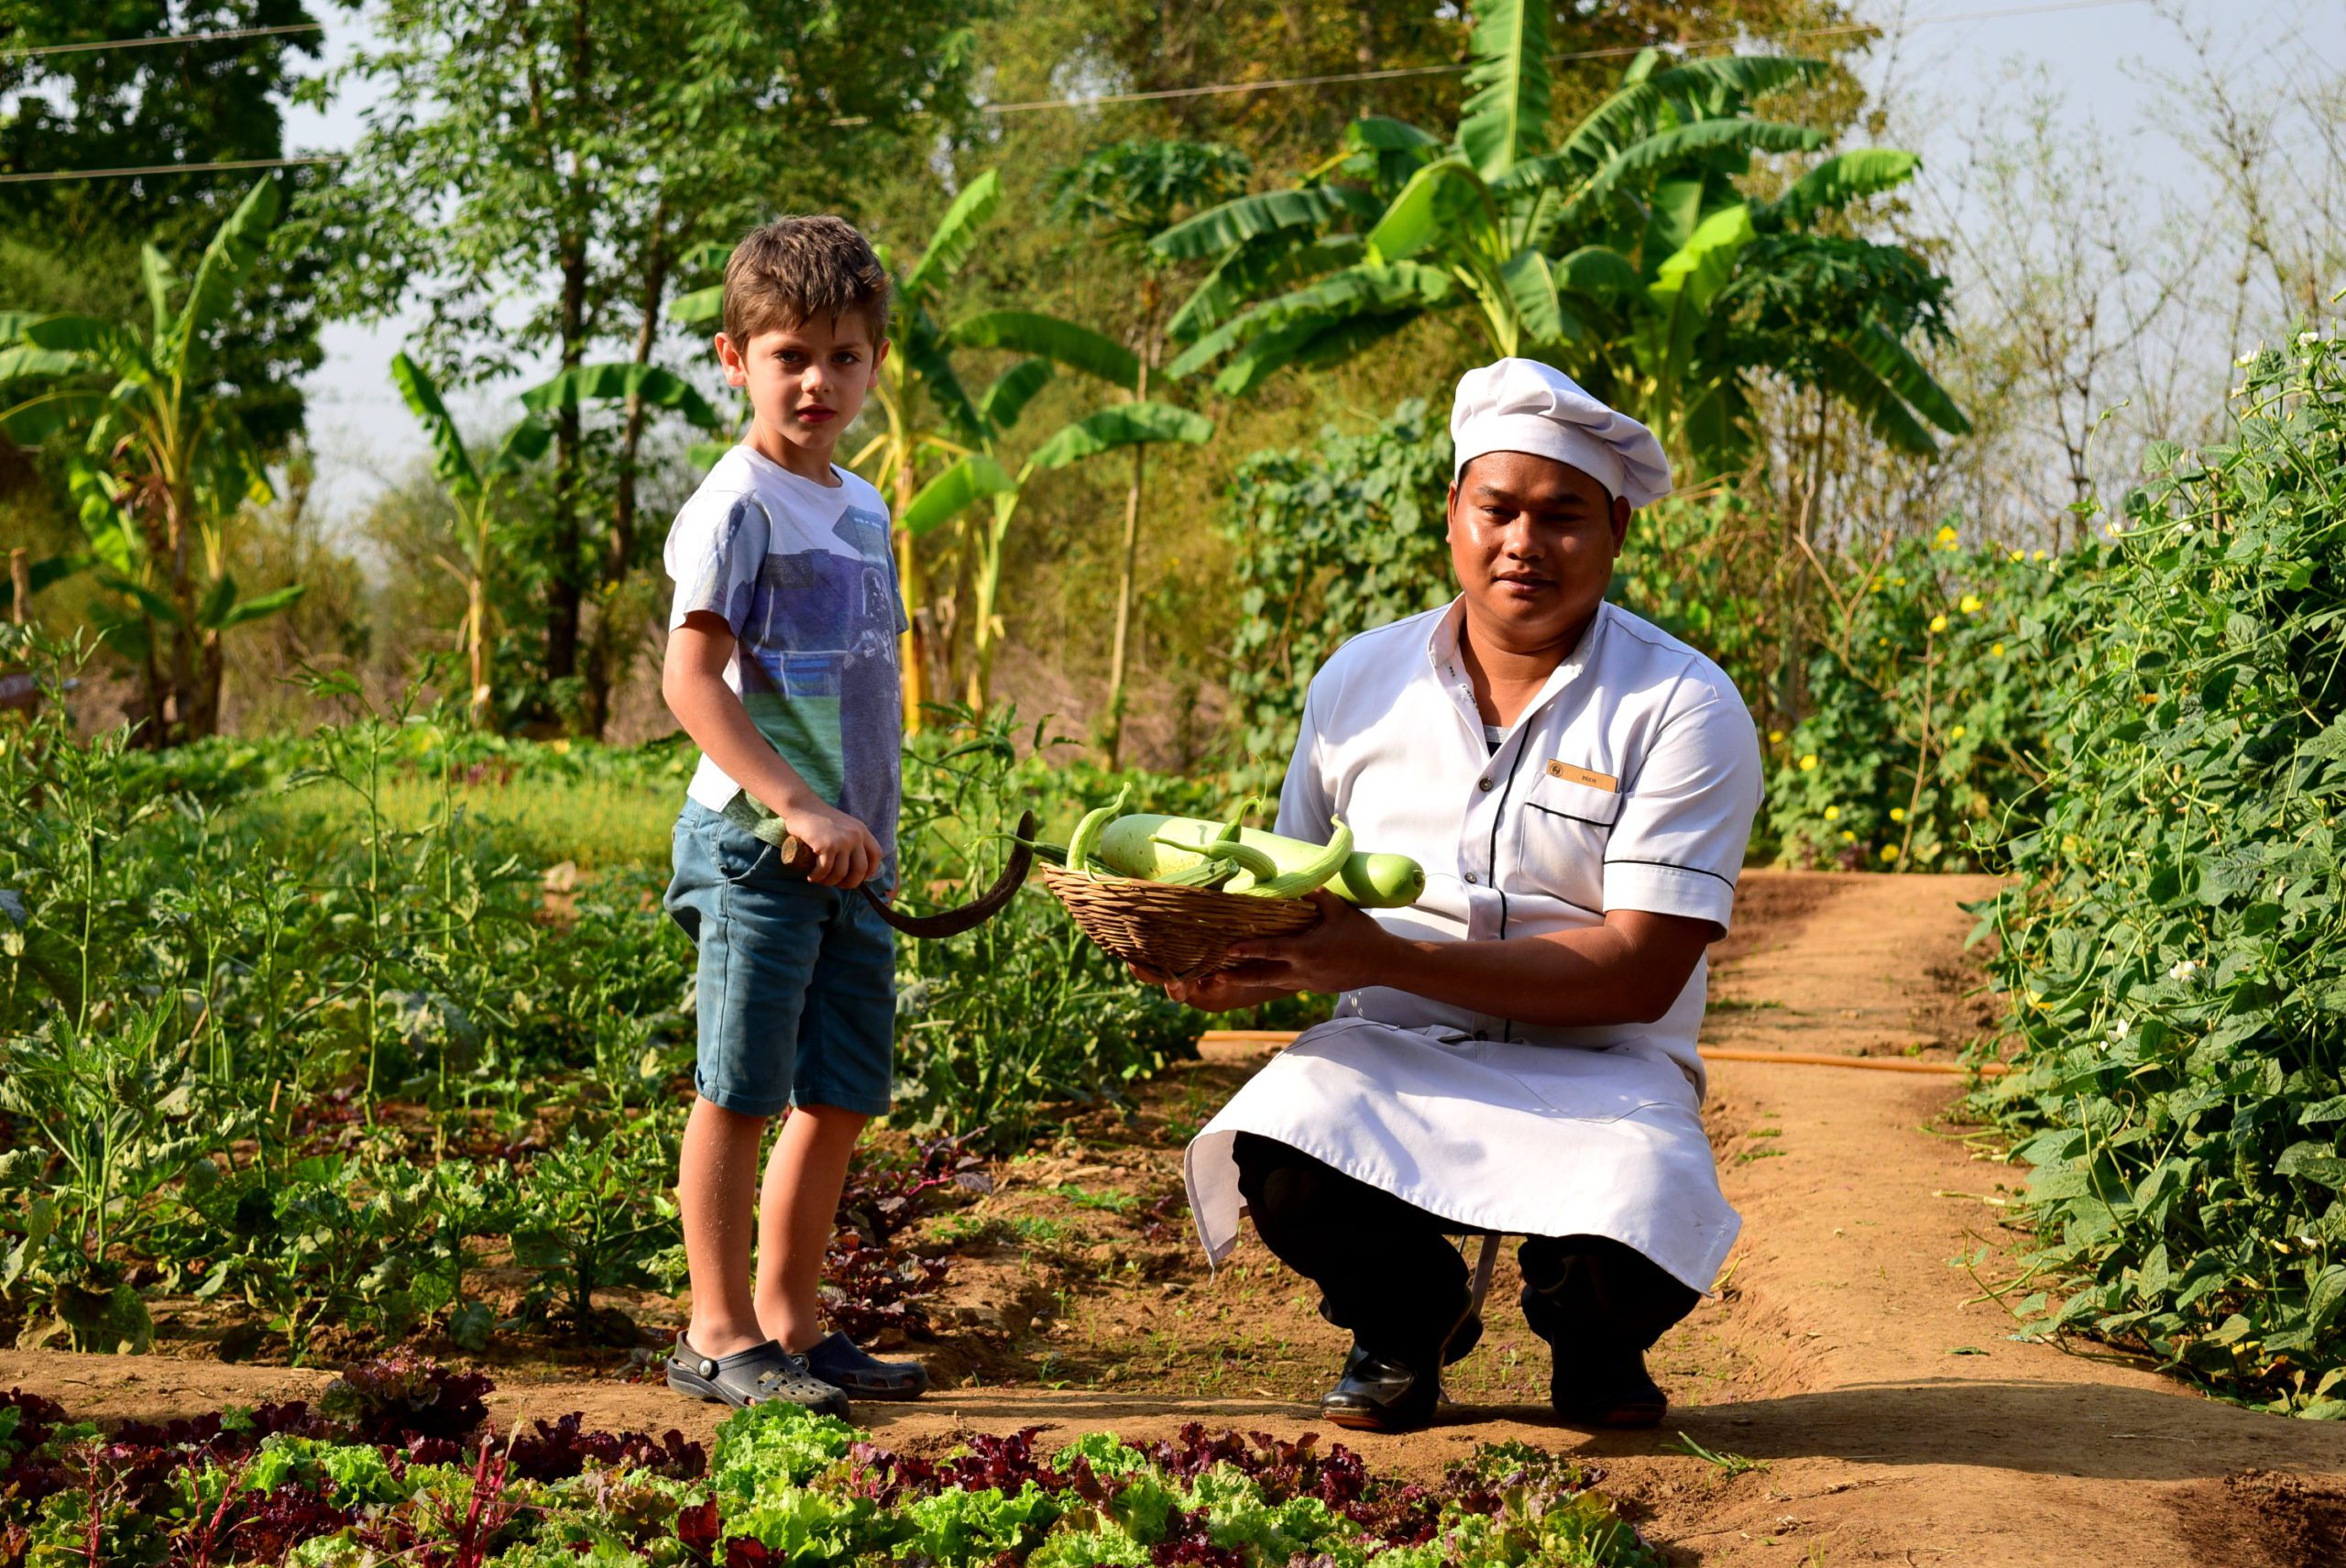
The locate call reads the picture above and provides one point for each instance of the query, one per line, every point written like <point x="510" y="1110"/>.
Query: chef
<point x="1515" y="1053"/>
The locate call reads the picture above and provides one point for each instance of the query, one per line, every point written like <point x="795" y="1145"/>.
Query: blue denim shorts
<point x="796" y="985"/>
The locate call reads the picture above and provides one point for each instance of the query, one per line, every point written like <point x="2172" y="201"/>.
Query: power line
<point x="1613" y="51"/>
<point x="30" y="52"/>
<point x="170" y="168"/>
<point x="1157" y="95"/>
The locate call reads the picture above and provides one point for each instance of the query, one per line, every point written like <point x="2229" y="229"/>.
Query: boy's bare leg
<point x="716" y="1188"/>
<point x="796" y="1212"/>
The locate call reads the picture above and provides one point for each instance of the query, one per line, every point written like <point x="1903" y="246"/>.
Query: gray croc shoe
<point x="752" y="1377"/>
<point x="834" y="1359"/>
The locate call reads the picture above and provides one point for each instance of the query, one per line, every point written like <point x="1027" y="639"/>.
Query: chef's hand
<point x="1343" y="951"/>
<point x="1223" y="991"/>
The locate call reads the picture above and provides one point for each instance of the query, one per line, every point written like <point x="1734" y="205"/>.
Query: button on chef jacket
<point x="1629" y="782"/>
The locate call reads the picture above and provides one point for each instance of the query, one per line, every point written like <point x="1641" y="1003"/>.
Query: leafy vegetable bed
<point x="2174" y="949"/>
<point x="396" y="1464"/>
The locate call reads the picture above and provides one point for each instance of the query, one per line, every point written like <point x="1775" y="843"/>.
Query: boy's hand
<point x="846" y="854"/>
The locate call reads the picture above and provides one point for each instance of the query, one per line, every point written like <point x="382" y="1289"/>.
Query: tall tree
<point x="74" y="244"/>
<point x="567" y="159"/>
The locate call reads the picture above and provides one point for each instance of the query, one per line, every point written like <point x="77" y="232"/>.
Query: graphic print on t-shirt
<point x="818" y="643"/>
<point x="804" y="579"/>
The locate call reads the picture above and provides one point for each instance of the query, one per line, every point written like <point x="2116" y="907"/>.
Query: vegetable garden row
<point x="321" y="1034"/>
<point x="396" y="1464"/>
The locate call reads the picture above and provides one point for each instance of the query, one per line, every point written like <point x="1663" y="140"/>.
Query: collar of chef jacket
<point x="1629" y="782"/>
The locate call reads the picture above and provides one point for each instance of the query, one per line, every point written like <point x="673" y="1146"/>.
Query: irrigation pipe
<point x="1277" y="1038"/>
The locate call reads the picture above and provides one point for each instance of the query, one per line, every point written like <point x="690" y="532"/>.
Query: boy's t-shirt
<point x="802" y="574"/>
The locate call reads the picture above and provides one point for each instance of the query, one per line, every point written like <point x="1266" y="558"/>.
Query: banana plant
<point x="982" y="476"/>
<point x="1628" y="253"/>
<point x="163" y="467"/>
<point x="475" y="489"/>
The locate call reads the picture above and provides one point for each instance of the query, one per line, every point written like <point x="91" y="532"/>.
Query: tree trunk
<point x="1113" y="738"/>
<point x="203" y="708"/>
<point x="608" y="659"/>
<point x="912" y="647"/>
<point x="620" y="558"/>
<point x="181" y="691"/>
<point x="476" y="646"/>
<point x="564" y="590"/>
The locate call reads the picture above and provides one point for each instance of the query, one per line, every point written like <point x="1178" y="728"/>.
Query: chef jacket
<point x="1629" y="782"/>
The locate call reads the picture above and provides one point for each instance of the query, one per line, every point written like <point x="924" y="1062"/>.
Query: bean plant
<point x="2174" y="946"/>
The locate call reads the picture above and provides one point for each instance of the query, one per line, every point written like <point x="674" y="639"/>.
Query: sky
<point x="1945" y="61"/>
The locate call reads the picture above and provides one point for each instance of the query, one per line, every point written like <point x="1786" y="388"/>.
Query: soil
<point x="1850" y="1395"/>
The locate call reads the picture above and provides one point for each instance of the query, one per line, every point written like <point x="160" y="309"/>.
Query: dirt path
<point x="1877" y="1413"/>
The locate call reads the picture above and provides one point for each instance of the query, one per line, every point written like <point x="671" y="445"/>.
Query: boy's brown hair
<point x="795" y="268"/>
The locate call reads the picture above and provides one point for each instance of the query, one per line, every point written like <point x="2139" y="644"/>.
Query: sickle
<point x="798" y="858"/>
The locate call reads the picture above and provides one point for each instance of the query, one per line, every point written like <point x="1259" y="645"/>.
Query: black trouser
<point x="1387" y="1271"/>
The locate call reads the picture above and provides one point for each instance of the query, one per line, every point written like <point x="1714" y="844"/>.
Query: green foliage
<point x="1329" y="544"/>
<point x="87" y="245"/>
<point x="1923" y="725"/>
<point x="163" y="466"/>
<point x="999" y="1026"/>
<point x="597" y="1212"/>
<point x="1630" y="254"/>
<point x="2174" y="949"/>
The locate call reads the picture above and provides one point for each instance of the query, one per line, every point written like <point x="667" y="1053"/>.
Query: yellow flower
<point x="1938" y="623"/>
<point x="562" y="747"/>
<point x="1997" y="651"/>
<point x="1889" y="852"/>
<point x="1832" y="814"/>
<point x="1775" y="736"/>
<point x="1848" y="837"/>
<point x="1955" y="733"/>
<point x="1947" y="537"/>
<point x="2036" y="554"/>
<point x="1898" y="813"/>
<point x="1971" y="604"/>
<point x="2020" y="555"/>
<point x="1808" y="764"/>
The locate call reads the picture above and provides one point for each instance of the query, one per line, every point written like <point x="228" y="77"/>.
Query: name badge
<point x="1571" y="775"/>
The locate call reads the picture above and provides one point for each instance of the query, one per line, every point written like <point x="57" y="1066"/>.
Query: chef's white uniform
<point x="1629" y="783"/>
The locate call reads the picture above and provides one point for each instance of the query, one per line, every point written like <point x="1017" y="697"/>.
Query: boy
<point x="782" y="667"/>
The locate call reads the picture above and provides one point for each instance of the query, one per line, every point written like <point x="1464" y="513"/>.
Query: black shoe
<point x="757" y="1375"/>
<point x="1609" y="1389"/>
<point x="834" y="1359"/>
<point x="1377" y="1395"/>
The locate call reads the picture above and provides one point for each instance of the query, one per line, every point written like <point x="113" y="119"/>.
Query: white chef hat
<point x="1521" y="405"/>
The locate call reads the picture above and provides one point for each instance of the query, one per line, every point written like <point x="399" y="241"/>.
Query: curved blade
<point x="970" y="917"/>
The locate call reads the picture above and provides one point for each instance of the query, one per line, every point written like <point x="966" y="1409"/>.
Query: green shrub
<point x="998" y="1026"/>
<point x="1328" y="543"/>
<point x="2175" y="951"/>
<point x="1920" y="726"/>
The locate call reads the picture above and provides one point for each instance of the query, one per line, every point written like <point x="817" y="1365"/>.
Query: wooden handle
<point x="794" y="854"/>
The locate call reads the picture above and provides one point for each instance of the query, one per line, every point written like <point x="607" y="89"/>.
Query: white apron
<point x="1499" y="1135"/>
<point x="1630" y="783"/>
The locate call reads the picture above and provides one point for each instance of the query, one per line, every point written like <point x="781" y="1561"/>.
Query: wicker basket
<point x="1176" y="933"/>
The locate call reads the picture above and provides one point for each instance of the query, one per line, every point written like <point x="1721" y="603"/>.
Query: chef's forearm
<point x="1567" y="978"/>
